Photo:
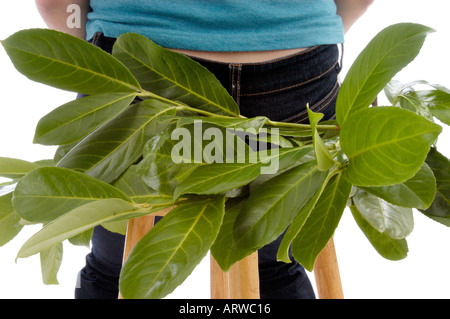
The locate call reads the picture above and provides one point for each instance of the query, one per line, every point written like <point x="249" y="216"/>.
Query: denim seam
<point x="292" y="86"/>
<point x="238" y="84"/>
<point x="235" y="81"/>
<point x="96" y="39"/>
<point x="328" y="98"/>
<point x="233" y="85"/>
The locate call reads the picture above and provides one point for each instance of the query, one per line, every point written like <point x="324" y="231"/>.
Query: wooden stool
<point x="242" y="280"/>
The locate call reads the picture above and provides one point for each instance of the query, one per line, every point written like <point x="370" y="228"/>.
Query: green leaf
<point x="168" y="254"/>
<point x="161" y="168"/>
<point x="118" y="227"/>
<point x="66" y="62"/>
<point x="76" y="222"/>
<point x="438" y="101"/>
<point x="395" y="221"/>
<point x="135" y="188"/>
<point x="216" y="178"/>
<point x="388" y="52"/>
<point x="413" y="102"/>
<point x="173" y="75"/>
<point x="108" y="151"/>
<point x="272" y="205"/>
<point x="417" y="192"/>
<point x="322" y="222"/>
<point x="51" y="259"/>
<point x="386" y="145"/>
<point x="392" y="91"/>
<point x="48" y="192"/>
<point x="440" y="165"/>
<point x="15" y="168"/>
<point x="427" y="103"/>
<point x="74" y="120"/>
<point x="224" y="249"/>
<point x="323" y="156"/>
<point x="296" y="226"/>
<point x="387" y="247"/>
<point x="10" y="224"/>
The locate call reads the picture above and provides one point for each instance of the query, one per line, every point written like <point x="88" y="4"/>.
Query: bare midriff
<point x="240" y="57"/>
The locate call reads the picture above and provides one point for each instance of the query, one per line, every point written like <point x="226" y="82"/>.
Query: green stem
<point x="202" y="112"/>
<point x="145" y="207"/>
<point x="157" y="97"/>
<point x="183" y="107"/>
<point x="301" y="126"/>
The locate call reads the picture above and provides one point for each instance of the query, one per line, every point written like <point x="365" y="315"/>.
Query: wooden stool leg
<point x="326" y="271"/>
<point x="136" y="229"/>
<point x="220" y="282"/>
<point x="244" y="278"/>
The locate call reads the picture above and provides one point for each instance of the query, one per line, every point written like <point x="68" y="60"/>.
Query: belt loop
<point x="96" y="38"/>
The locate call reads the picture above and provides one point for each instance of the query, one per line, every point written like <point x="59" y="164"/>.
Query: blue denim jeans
<point x="278" y="89"/>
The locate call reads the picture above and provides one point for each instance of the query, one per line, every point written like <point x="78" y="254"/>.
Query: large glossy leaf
<point x="322" y="222"/>
<point x="108" y="151"/>
<point x="48" y="192"/>
<point x="440" y="165"/>
<point x="386" y="145"/>
<point x="395" y="221"/>
<point x="76" y="222"/>
<point x="74" y="120"/>
<point x="9" y="220"/>
<point x="167" y="254"/>
<point x="272" y="205"/>
<point x="389" y="248"/>
<point x="15" y="168"/>
<point x="417" y="192"/>
<point x="66" y="62"/>
<point x="172" y="75"/>
<point x="388" y="52"/>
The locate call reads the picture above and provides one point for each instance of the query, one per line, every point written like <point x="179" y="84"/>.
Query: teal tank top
<point x="220" y="25"/>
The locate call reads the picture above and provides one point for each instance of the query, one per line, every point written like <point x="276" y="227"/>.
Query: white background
<point x="423" y="274"/>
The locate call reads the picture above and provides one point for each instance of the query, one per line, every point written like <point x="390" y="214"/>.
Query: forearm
<point x="351" y="10"/>
<point x="56" y="16"/>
